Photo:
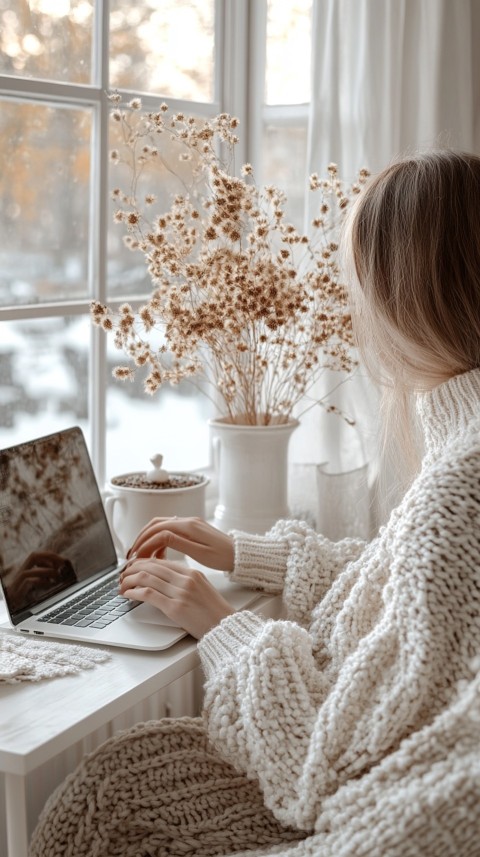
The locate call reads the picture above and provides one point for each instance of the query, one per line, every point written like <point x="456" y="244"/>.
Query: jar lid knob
<point x="157" y="474"/>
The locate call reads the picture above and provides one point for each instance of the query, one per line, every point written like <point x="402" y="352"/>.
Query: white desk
<point x="40" y="720"/>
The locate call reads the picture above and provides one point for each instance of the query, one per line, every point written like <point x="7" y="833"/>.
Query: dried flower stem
<point x="241" y="298"/>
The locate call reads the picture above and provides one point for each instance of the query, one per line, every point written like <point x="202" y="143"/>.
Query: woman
<point x="352" y="726"/>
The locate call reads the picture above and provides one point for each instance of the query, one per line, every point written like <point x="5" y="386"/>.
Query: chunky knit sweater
<point x="359" y="714"/>
<point x="351" y="728"/>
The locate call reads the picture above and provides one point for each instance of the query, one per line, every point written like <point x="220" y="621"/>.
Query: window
<point x="59" y="247"/>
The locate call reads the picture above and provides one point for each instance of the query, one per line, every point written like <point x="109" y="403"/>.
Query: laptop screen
<point x="53" y="529"/>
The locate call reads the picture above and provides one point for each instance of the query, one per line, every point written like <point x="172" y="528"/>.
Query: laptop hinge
<point x="21" y="617"/>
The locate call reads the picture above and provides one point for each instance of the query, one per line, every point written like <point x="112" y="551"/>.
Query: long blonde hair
<point x="414" y="243"/>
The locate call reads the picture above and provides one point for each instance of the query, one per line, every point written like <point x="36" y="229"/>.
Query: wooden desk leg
<point x="16" y="806"/>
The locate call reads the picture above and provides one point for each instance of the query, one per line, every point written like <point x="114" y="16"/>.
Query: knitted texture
<point x="375" y="641"/>
<point x="155" y="790"/>
<point x="354" y="721"/>
<point x="33" y="660"/>
<point x="160" y="789"/>
<point x="424" y="800"/>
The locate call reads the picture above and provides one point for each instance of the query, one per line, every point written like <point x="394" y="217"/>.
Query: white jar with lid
<point x="133" y="499"/>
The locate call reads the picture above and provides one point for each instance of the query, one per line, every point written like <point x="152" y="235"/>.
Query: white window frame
<point x="240" y="51"/>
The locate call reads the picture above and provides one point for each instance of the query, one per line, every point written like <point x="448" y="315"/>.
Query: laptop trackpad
<point x="151" y="615"/>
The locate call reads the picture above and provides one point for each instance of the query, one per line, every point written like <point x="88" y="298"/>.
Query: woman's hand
<point x="184" y="594"/>
<point x="191" y="536"/>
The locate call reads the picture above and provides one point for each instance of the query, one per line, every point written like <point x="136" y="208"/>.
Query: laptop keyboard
<point x="101" y="606"/>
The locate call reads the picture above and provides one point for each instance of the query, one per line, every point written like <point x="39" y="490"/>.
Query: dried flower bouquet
<point x="243" y="301"/>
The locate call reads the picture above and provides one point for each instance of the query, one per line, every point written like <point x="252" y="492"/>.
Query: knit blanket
<point x="161" y="789"/>
<point x="33" y="660"/>
<point x="157" y="789"/>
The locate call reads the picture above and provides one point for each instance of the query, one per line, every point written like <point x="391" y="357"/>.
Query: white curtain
<point x="388" y="77"/>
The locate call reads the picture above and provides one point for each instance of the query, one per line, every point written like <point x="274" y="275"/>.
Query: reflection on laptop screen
<point x="53" y="530"/>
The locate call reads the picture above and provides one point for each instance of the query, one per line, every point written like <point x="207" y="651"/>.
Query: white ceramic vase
<point x="252" y="468"/>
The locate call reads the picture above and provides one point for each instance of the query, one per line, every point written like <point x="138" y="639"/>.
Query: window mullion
<point x="48" y="91"/>
<point x="234" y="87"/>
<point x="256" y="82"/>
<point x="99" y="207"/>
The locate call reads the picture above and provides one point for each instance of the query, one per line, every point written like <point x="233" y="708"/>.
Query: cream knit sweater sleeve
<point x="305" y="709"/>
<point x="293" y="559"/>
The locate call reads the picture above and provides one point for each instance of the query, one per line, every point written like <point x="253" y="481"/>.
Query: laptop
<point x="58" y="565"/>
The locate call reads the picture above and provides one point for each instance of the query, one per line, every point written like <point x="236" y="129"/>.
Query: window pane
<point x="173" y="422"/>
<point x="49" y="39"/>
<point x="288" y="52"/>
<point x="163" y="46"/>
<point x="44" y="202"/>
<point x="43" y="377"/>
<point x="285" y="166"/>
<point x="163" y="177"/>
<point x="44" y="365"/>
<point x="127" y="271"/>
